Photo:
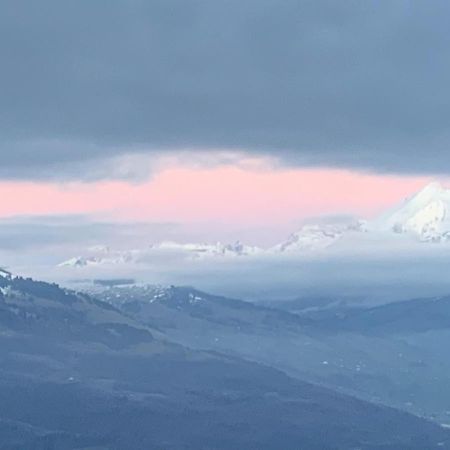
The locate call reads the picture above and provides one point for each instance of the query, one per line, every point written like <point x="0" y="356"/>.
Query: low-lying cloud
<point x="357" y="275"/>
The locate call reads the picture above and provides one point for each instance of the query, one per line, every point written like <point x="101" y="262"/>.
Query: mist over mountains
<point x="424" y="217"/>
<point x="394" y="256"/>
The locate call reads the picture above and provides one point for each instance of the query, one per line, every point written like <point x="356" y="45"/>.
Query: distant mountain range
<point x="424" y="218"/>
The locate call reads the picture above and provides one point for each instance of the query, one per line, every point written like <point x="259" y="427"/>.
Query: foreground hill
<point x="78" y="373"/>
<point x="394" y="354"/>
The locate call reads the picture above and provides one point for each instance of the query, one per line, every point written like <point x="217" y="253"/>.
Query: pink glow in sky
<point x="225" y="194"/>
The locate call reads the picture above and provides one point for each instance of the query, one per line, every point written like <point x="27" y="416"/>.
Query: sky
<point x="133" y="121"/>
<point x="222" y="198"/>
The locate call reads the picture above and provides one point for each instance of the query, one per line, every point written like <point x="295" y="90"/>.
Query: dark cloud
<point x="353" y="84"/>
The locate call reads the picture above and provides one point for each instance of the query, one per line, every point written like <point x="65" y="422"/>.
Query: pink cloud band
<point x="222" y="194"/>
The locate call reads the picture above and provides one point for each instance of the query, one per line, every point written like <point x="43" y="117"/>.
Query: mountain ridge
<point x="421" y="218"/>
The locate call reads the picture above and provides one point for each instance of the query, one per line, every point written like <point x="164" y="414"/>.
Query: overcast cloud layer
<point x="354" y="84"/>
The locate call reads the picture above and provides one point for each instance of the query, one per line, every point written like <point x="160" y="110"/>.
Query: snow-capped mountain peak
<point x="425" y="215"/>
<point x="318" y="236"/>
<point x="95" y="257"/>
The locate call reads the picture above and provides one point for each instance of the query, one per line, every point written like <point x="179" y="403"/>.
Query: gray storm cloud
<point x="350" y="84"/>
